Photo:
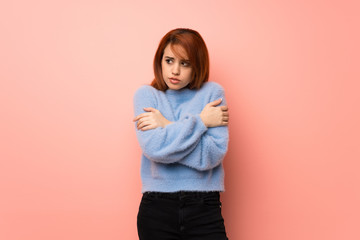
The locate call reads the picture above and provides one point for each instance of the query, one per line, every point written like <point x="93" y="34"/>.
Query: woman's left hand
<point x="151" y="119"/>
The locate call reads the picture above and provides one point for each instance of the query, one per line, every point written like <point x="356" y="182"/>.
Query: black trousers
<point x="181" y="215"/>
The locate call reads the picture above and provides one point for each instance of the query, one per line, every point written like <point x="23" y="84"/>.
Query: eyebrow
<point x="185" y="60"/>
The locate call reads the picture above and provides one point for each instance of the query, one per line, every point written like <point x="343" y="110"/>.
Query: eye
<point x="185" y="64"/>
<point x="169" y="60"/>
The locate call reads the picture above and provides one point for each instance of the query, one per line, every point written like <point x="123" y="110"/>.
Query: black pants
<point x="181" y="215"/>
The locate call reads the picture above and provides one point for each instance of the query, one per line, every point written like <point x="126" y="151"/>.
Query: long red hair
<point x="196" y="49"/>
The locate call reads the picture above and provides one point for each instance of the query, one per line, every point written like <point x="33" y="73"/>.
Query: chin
<point x="176" y="88"/>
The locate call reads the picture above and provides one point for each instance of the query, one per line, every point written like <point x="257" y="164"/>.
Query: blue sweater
<point x="185" y="155"/>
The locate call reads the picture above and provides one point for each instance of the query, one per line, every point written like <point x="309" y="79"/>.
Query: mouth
<point x="174" y="80"/>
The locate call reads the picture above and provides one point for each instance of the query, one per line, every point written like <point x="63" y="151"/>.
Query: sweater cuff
<point x="201" y="124"/>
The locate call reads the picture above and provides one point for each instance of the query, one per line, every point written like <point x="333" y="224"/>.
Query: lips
<point x="174" y="80"/>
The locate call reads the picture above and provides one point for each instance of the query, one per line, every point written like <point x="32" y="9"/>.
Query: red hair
<point x="196" y="49"/>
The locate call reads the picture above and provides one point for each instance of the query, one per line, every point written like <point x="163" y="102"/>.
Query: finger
<point x="226" y="119"/>
<point x="225" y="114"/>
<point x="148" y="127"/>
<point x="143" y="120"/>
<point x="224" y="108"/>
<point x="150" y="109"/>
<point x="138" y="117"/>
<point x="216" y="102"/>
<point x="225" y="123"/>
<point x="138" y="122"/>
<point x="143" y="124"/>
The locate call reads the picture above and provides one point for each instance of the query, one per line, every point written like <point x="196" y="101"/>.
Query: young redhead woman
<point x="181" y="125"/>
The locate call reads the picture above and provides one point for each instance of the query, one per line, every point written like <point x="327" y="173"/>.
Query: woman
<point x="181" y="125"/>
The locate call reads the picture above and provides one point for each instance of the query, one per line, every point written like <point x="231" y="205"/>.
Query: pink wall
<point x="69" y="158"/>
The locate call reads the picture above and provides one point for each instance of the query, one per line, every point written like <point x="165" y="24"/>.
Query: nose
<point x="176" y="69"/>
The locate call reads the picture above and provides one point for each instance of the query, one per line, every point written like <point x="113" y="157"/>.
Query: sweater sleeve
<point x="172" y="143"/>
<point x="213" y="144"/>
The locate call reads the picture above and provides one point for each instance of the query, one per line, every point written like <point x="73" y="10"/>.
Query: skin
<point x="177" y="72"/>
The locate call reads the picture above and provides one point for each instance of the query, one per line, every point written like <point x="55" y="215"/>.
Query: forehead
<point x="175" y="50"/>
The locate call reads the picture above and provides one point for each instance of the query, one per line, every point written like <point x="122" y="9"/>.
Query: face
<point x="176" y="70"/>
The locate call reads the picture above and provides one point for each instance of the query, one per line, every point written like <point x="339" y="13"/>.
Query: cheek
<point x="164" y="68"/>
<point x="189" y="74"/>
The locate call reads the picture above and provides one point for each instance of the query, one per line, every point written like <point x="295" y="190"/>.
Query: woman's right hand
<point x="213" y="116"/>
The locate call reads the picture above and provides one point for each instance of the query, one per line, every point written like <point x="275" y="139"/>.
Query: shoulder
<point x="212" y="88"/>
<point x="145" y="91"/>
<point x="146" y="96"/>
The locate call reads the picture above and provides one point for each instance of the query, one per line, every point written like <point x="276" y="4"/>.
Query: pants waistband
<point x="181" y="194"/>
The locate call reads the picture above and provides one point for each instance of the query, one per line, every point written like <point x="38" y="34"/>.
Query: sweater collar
<point x="181" y="95"/>
<point x="183" y="91"/>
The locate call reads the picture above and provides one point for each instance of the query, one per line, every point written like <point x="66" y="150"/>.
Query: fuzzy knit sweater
<point x="185" y="155"/>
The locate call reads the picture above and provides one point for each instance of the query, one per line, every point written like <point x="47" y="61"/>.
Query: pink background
<point x="69" y="158"/>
